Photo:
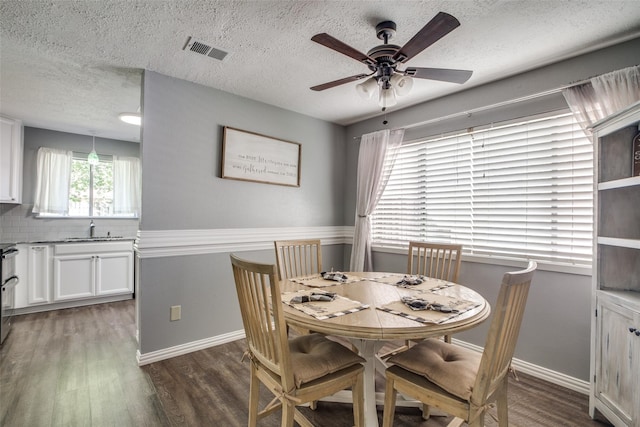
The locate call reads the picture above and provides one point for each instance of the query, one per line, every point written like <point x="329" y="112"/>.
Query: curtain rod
<point x="468" y="113"/>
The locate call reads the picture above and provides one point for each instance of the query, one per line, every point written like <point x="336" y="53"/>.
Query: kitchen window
<point x="513" y="191"/>
<point x="68" y="186"/>
<point x="91" y="187"/>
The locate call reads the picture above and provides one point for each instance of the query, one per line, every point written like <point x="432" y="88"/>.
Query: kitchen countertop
<point x="81" y="240"/>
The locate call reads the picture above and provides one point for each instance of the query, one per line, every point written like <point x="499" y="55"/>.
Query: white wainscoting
<point x="163" y="243"/>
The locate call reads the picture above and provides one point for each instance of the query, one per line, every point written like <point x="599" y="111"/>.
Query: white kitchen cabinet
<point x="74" y="277"/>
<point x="33" y="267"/>
<point x="38" y="280"/>
<point x="22" y="262"/>
<point x="87" y="270"/>
<point x="114" y="273"/>
<point x="615" y="341"/>
<point x="10" y="160"/>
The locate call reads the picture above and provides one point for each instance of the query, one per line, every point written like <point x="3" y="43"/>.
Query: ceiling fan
<point x="383" y="60"/>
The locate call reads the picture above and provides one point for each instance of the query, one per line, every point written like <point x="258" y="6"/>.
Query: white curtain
<point x="126" y="186"/>
<point x="53" y="177"/>
<point x="375" y="149"/>
<point x="603" y="95"/>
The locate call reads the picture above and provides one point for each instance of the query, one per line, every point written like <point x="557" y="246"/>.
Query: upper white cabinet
<point x="10" y="160"/>
<point x="615" y="365"/>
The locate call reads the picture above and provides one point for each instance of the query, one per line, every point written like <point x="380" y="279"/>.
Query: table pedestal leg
<point x="368" y="349"/>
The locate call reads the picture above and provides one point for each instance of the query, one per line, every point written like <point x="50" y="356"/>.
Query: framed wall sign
<point x="248" y="156"/>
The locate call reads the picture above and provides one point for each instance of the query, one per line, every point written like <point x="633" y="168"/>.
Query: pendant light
<point x="93" y="158"/>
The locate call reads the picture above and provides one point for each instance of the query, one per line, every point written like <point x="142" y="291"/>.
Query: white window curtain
<point x="126" y="186"/>
<point x="53" y="175"/>
<point x="603" y="95"/>
<point x="375" y="149"/>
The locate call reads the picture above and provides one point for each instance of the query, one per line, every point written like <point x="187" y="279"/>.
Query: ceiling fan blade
<point x="339" y="82"/>
<point x="335" y="44"/>
<point x="441" y="74"/>
<point x="441" y="25"/>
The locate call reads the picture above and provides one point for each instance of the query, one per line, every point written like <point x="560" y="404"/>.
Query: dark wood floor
<point x="77" y="367"/>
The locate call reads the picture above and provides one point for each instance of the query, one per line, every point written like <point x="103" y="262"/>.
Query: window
<point x="514" y="190"/>
<point x="68" y="186"/>
<point x="91" y="187"/>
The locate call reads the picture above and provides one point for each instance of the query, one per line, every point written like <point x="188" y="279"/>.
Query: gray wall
<point x="16" y="221"/>
<point x="556" y="329"/>
<point x="182" y="191"/>
<point x="182" y="143"/>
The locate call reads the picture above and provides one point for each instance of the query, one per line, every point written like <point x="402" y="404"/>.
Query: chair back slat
<point x="437" y="260"/>
<point x="503" y="332"/>
<point x="258" y="291"/>
<point x="297" y="258"/>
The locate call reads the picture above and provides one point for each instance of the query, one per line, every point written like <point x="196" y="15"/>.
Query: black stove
<point x="9" y="280"/>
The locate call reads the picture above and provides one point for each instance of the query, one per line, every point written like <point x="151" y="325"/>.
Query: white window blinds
<point x="518" y="190"/>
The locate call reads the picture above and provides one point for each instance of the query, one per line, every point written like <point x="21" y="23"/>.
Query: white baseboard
<point x="553" y="377"/>
<point x="71" y="304"/>
<point x="179" y="350"/>
<point x="545" y="374"/>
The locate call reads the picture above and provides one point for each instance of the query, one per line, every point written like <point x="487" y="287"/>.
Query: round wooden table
<point x="369" y="329"/>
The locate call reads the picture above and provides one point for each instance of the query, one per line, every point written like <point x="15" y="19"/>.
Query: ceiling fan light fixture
<point x="367" y="88"/>
<point x="401" y="84"/>
<point x="383" y="60"/>
<point x="387" y="98"/>
<point x="131" y="118"/>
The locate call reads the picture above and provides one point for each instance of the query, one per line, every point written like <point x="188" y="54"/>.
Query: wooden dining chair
<point x="437" y="260"/>
<point x="297" y="258"/>
<point x="296" y="371"/>
<point x="457" y="380"/>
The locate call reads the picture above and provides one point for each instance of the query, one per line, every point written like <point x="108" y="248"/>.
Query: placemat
<point x="316" y="281"/>
<point x="429" y="284"/>
<point x="322" y="310"/>
<point x="430" y="316"/>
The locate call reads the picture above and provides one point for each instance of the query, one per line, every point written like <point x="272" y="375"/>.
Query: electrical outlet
<point x="176" y="312"/>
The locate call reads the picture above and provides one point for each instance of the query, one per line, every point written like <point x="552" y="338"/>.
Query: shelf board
<point x="625" y="243"/>
<point x="619" y="183"/>
<point x="632" y="297"/>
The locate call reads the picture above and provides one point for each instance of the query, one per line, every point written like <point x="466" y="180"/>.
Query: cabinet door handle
<point x="637" y="332"/>
<point x="632" y="329"/>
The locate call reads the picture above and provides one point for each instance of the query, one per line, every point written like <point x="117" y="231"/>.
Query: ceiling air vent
<point x="204" y="49"/>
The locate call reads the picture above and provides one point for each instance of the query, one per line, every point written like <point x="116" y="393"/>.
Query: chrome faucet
<point x="92" y="229"/>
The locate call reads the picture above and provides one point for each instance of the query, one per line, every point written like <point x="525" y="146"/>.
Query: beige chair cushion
<point x="447" y="365"/>
<point x="314" y="356"/>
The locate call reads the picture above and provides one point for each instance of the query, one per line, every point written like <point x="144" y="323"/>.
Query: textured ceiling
<point x="74" y="65"/>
